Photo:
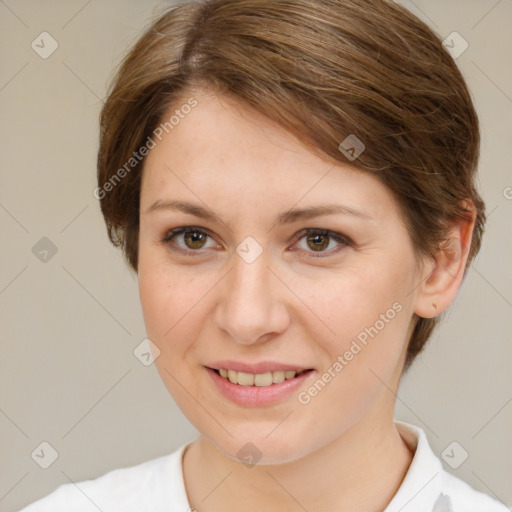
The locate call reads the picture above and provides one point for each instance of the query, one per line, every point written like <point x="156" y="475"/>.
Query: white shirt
<point x="158" y="486"/>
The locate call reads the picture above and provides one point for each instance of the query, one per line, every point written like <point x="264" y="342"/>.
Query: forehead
<point x="227" y="154"/>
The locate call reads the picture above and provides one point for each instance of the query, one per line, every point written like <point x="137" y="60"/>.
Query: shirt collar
<point x="421" y="488"/>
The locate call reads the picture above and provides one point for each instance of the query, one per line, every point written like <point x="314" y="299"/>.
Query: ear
<point x="442" y="274"/>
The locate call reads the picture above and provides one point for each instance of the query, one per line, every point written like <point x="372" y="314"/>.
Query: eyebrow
<point x="287" y="217"/>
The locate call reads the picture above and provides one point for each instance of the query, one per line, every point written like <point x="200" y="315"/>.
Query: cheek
<point x="167" y="297"/>
<point x="346" y="304"/>
<point x="173" y="316"/>
<point x="370" y="313"/>
<point x="176" y="305"/>
<point x="172" y="324"/>
<point x="367" y="312"/>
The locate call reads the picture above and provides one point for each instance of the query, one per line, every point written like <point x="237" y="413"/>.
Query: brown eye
<point x="318" y="242"/>
<point x="194" y="239"/>
<point x="187" y="239"/>
<point x="321" y="241"/>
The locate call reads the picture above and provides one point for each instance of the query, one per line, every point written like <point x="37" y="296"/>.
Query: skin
<point x="293" y="304"/>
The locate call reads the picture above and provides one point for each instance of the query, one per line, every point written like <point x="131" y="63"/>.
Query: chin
<point x="261" y="448"/>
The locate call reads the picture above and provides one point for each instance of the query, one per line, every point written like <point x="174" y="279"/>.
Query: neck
<point x="360" y="470"/>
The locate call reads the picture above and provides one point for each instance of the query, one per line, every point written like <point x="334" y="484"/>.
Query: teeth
<point x="233" y="376"/>
<point x="263" y="379"/>
<point x="259" y="379"/>
<point x="277" y="377"/>
<point x="245" y="379"/>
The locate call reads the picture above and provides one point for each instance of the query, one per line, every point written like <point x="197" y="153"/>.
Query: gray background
<point x="70" y="324"/>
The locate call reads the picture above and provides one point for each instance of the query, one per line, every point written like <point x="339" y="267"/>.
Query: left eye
<point x="318" y="240"/>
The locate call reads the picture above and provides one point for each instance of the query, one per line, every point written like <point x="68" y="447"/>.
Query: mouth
<point x="265" y="379"/>
<point x="258" y="389"/>
<point x="258" y="384"/>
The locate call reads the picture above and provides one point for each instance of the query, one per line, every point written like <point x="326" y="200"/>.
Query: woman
<point x="294" y="184"/>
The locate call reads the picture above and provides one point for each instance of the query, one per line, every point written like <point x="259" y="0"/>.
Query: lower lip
<point x="258" y="395"/>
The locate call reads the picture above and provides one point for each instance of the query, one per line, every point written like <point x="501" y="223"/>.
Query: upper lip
<point x="260" y="367"/>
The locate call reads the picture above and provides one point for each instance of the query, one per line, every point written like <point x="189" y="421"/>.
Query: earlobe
<point x="443" y="273"/>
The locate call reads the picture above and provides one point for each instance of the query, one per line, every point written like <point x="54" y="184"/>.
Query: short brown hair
<point x="321" y="69"/>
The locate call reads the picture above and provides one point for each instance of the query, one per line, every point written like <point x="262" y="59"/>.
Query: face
<point x="240" y="270"/>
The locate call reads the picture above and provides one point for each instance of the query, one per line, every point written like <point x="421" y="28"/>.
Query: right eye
<point x="193" y="239"/>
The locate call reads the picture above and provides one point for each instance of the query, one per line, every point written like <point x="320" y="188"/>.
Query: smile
<point x="268" y="386"/>
<point x="257" y="379"/>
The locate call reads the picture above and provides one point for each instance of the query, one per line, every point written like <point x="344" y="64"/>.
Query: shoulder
<point x="428" y="487"/>
<point x="466" y="499"/>
<point x="156" y="484"/>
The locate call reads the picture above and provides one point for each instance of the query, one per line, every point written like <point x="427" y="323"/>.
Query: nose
<point x="252" y="304"/>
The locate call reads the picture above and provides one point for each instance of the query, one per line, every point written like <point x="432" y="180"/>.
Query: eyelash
<point x="341" y="239"/>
